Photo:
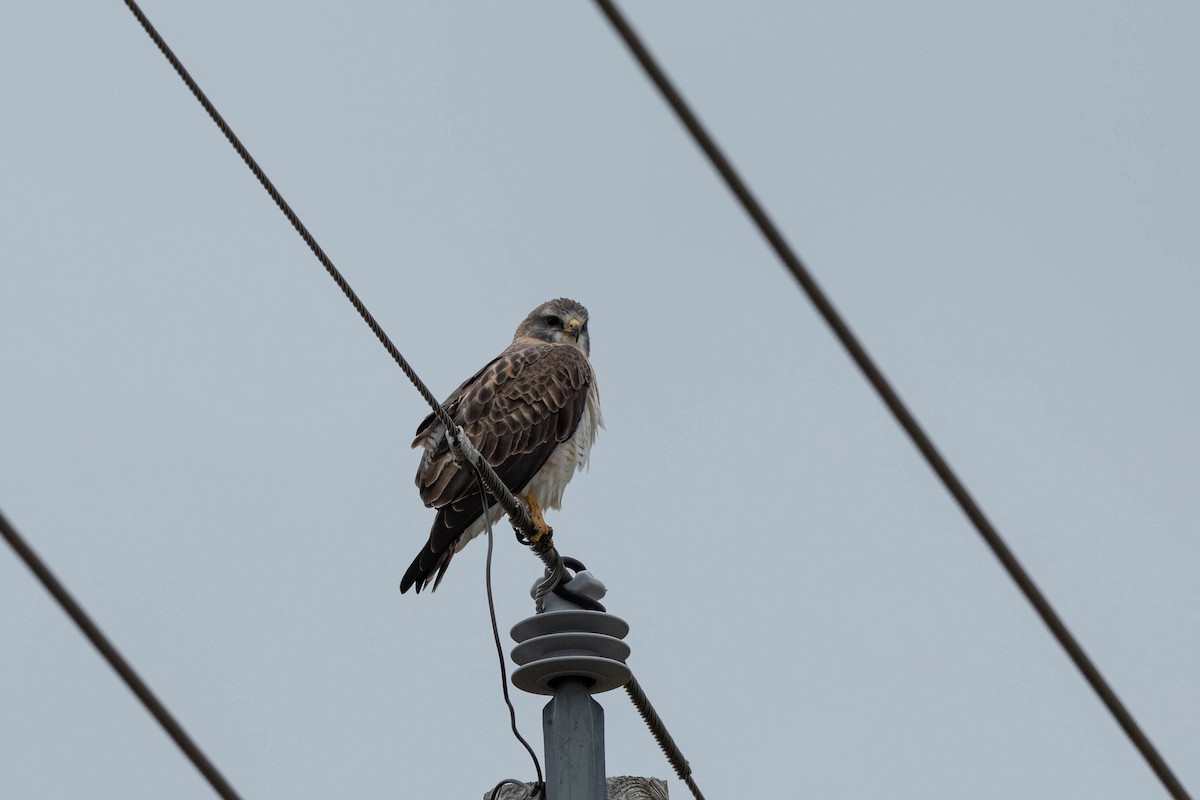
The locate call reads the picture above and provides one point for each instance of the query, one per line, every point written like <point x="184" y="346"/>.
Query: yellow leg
<point x="535" y="513"/>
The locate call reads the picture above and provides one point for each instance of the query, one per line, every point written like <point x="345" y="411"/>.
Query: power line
<point x="122" y="667"/>
<point x="543" y="547"/>
<point x="891" y="399"/>
<point x="658" y="730"/>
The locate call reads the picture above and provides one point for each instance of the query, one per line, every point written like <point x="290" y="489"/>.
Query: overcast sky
<point x="211" y="450"/>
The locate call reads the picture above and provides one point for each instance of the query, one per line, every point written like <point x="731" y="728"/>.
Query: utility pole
<point x="573" y="728"/>
<point x="571" y="653"/>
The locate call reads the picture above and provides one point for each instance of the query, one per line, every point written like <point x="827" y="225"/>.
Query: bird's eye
<point x="553" y="321"/>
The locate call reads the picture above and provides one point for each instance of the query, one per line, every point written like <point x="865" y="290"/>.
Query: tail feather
<point x="421" y="571"/>
<point x="445" y="539"/>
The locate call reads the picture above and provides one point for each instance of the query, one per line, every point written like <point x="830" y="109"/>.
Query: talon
<point x="540" y="527"/>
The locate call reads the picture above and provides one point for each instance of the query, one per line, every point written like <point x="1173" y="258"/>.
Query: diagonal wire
<point x="291" y="215"/>
<point x="122" y="667"/>
<point x="521" y="516"/>
<point x="543" y="546"/>
<point x="658" y="730"/>
<point x="892" y="400"/>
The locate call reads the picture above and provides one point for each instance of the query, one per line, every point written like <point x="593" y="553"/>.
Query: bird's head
<point x="560" y="321"/>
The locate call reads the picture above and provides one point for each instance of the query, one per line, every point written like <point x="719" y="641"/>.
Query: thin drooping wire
<point x="512" y="712"/>
<point x="530" y="792"/>
<point x="661" y="735"/>
<point x="114" y="658"/>
<point x="521" y="520"/>
<point x="891" y="399"/>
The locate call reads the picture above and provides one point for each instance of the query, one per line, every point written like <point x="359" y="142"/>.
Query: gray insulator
<point x="571" y="643"/>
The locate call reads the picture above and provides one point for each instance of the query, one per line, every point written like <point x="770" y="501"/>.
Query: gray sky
<point x="212" y="451"/>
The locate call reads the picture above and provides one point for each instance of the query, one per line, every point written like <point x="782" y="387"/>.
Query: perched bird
<point x="532" y="412"/>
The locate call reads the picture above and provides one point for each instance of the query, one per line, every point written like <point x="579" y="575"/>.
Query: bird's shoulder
<point x="529" y="376"/>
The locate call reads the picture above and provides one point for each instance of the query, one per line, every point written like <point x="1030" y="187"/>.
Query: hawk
<point x="532" y="412"/>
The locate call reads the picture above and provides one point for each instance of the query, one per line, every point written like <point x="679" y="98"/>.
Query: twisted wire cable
<point x="516" y="511"/>
<point x="892" y="400"/>
<point x="115" y="660"/>
<point x="661" y="735"/>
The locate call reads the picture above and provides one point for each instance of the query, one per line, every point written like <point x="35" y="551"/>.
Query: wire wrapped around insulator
<point x="546" y="551"/>
<point x="564" y="590"/>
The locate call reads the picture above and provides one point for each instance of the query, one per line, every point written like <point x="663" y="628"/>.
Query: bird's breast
<point x="569" y="457"/>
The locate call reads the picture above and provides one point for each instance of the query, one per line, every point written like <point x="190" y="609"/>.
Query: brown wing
<point x="515" y="410"/>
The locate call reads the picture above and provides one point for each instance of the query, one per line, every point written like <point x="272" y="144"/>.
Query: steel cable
<point x="114" y="658"/>
<point x="892" y="400"/>
<point x="661" y="735"/>
<point x="544" y="547"/>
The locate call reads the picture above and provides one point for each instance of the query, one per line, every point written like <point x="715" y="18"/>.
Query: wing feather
<point x="515" y="410"/>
